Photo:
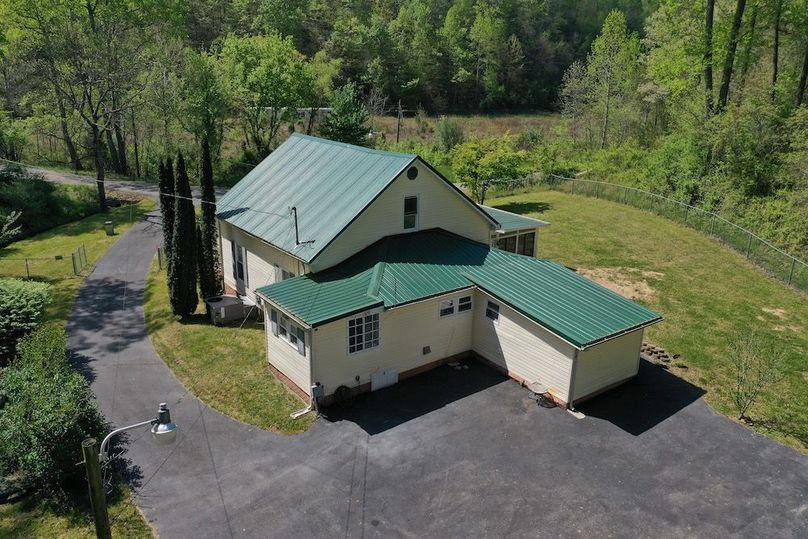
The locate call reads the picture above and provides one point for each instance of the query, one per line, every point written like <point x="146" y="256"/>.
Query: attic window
<point x="410" y="212"/>
<point x="412" y="173"/>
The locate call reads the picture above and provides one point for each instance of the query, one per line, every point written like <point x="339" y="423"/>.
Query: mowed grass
<point x="42" y="249"/>
<point x="32" y="517"/>
<point x="707" y="294"/>
<point x="225" y="367"/>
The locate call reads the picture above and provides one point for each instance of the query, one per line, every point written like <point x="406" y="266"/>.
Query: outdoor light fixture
<point x="164" y="432"/>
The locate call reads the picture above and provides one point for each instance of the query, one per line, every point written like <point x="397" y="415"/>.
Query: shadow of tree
<point x="524" y="207"/>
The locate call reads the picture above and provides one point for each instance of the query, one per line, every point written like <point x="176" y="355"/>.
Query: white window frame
<point x="447" y="305"/>
<point x="285" y="329"/>
<point x="374" y="318"/>
<point x="469" y="304"/>
<point x="417" y="223"/>
<point x="237" y="250"/>
<point x="494" y="310"/>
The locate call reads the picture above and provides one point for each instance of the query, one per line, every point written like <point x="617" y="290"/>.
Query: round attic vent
<point x="412" y="173"/>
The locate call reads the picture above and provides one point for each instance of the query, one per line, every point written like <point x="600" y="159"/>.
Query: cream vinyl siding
<point x="522" y="347"/>
<point x="285" y="357"/>
<point x="403" y="332"/>
<point x="439" y="206"/>
<point x="607" y="363"/>
<point x="261" y="257"/>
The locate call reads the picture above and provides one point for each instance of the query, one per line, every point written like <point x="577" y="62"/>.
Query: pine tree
<point x="348" y="119"/>
<point x="182" y="268"/>
<point x="166" y="186"/>
<point x="210" y="279"/>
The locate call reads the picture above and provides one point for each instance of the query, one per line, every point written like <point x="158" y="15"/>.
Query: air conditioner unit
<point x="225" y="309"/>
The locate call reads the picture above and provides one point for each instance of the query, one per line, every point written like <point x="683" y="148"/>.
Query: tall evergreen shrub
<point x="210" y="278"/>
<point x="182" y="275"/>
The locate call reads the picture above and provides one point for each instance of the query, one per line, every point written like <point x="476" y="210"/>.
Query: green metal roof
<point x="404" y="268"/>
<point x="329" y="183"/>
<point x="513" y="221"/>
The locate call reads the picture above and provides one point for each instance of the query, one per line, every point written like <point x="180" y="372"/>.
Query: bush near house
<point x="48" y="410"/>
<point x="22" y="304"/>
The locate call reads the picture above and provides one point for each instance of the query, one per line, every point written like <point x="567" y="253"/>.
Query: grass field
<point x="32" y="517"/>
<point x="224" y="366"/>
<point x="707" y="293"/>
<point x="63" y="240"/>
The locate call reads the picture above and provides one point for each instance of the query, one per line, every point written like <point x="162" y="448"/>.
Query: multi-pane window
<point x="464" y="304"/>
<point x="288" y="330"/>
<point x="447" y="307"/>
<point x="452" y="306"/>
<point x="523" y="244"/>
<point x="363" y="332"/>
<point x="410" y="212"/>
<point x="239" y="254"/>
<point x="527" y="243"/>
<point x="492" y="311"/>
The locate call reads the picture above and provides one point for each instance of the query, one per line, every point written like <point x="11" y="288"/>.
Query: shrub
<point x="758" y="363"/>
<point x="49" y="409"/>
<point x="21" y="306"/>
<point x="448" y="134"/>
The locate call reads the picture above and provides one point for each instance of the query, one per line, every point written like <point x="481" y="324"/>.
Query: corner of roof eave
<point x="619" y="334"/>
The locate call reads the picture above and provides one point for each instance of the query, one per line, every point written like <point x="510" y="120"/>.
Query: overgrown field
<point x="707" y="294"/>
<point x="224" y="366"/>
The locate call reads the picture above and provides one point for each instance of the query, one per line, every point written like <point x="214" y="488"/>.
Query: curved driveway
<point x="456" y="452"/>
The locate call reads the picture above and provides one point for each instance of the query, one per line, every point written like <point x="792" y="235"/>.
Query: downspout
<point x="312" y="401"/>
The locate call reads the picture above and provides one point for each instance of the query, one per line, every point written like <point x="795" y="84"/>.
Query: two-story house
<point x="370" y="266"/>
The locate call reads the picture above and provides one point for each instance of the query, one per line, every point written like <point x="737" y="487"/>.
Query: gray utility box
<point x="225" y="309"/>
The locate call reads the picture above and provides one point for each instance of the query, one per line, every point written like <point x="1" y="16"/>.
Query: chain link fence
<point x="45" y="267"/>
<point x="773" y="260"/>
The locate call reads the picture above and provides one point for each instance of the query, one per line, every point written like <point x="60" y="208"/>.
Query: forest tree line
<point x="702" y="100"/>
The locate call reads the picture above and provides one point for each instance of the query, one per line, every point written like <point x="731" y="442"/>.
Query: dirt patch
<point x="782" y="314"/>
<point x="628" y="282"/>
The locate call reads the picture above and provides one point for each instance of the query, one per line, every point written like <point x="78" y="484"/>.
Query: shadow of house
<point x="417" y="396"/>
<point x="644" y="402"/>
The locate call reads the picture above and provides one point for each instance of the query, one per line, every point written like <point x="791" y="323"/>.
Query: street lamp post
<point x="164" y="432"/>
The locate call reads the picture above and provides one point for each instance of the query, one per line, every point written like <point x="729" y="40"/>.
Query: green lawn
<point x="225" y="367"/>
<point x="706" y="292"/>
<point x="62" y="241"/>
<point x="31" y="517"/>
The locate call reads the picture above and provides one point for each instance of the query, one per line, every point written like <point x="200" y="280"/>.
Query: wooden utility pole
<point x="89" y="449"/>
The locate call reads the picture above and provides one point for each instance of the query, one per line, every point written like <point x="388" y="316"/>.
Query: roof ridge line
<point x="352" y="146"/>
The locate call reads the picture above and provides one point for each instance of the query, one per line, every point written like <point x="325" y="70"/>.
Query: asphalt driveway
<point x="454" y="452"/>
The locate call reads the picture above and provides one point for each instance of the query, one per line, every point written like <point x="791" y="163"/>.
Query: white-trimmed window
<point x="464" y="304"/>
<point x="522" y="243"/>
<point x="447" y="307"/>
<point x="410" y="212"/>
<point x="284" y="328"/>
<point x="363" y="332"/>
<point x="239" y="254"/>
<point x="492" y="311"/>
